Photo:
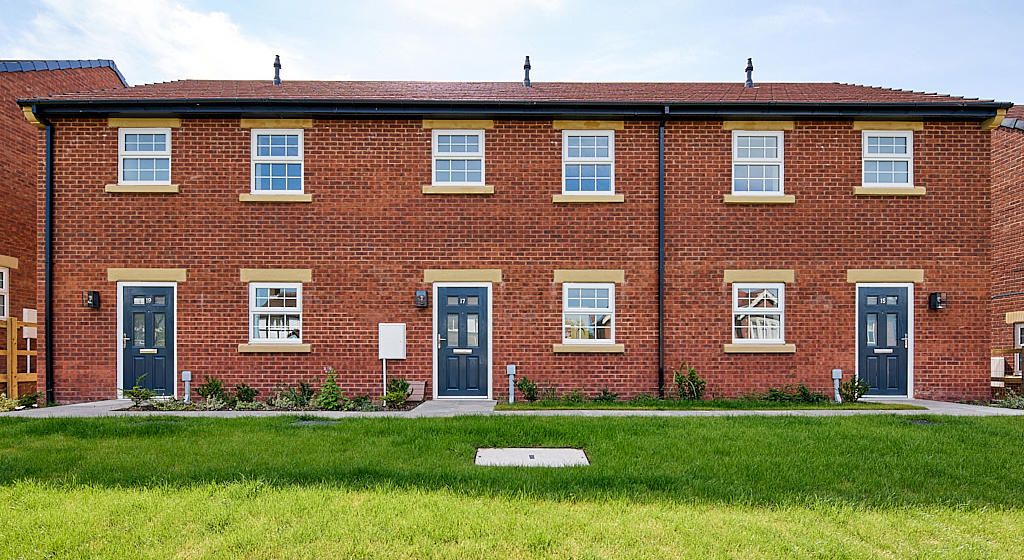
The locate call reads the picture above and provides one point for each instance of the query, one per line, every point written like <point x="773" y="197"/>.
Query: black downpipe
<point x="48" y="259"/>
<point x="661" y="256"/>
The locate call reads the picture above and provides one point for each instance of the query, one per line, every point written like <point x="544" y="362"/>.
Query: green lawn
<point x="717" y="404"/>
<point x="747" y="487"/>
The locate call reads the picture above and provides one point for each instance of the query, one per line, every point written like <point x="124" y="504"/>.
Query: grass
<point x="716" y="404"/>
<point x="747" y="487"/>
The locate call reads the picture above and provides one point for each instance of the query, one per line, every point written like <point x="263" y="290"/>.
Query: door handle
<point x="124" y="340"/>
<point x="439" y="339"/>
<point x="906" y="344"/>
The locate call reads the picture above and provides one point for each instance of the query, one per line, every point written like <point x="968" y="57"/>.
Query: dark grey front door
<point x="462" y="339"/>
<point x="148" y="338"/>
<point x="883" y="339"/>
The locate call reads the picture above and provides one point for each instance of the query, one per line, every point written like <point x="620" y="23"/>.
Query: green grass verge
<point x="745" y="487"/>
<point x="717" y="404"/>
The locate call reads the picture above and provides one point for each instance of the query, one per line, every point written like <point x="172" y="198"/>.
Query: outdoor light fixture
<point x="91" y="299"/>
<point x="937" y="300"/>
<point x="421" y="298"/>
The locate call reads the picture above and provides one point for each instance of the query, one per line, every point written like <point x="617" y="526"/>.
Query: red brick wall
<point x="1007" y="230"/>
<point x="19" y="169"/>
<point x="369" y="234"/>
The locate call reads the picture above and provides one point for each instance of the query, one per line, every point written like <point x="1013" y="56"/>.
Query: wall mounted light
<point x="91" y="299"/>
<point x="937" y="300"/>
<point x="421" y="298"/>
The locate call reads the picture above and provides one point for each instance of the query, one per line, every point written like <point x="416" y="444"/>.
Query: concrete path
<point x="447" y="408"/>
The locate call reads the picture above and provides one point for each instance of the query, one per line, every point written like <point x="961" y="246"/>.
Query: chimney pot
<point x="750" y="70"/>
<point x="277" y="69"/>
<point x="526" y="68"/>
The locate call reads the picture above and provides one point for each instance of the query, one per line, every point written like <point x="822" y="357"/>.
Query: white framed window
<point x="5" y="292"/>
<point x="757" y="164"/>
<point x="277" y="161"/>
<point x="758" y="313"/>
<point x="275" y="312"/>
<point x="1018" y="342"/>
<point x="144" y="156"/>
<point x="588" y="313"/>
<point x="458" y="157"/>
<point x="888" y="158"/>
<point x="588" y="162"/>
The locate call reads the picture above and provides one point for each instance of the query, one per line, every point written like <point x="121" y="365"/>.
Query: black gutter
<point x="48" y="257"/>
<point x="661" y="255"/>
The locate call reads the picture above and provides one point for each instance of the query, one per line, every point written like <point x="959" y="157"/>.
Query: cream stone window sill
<point x="888" y="191"/>
<point x="586" y="198"/>
<point x="588" y="348"/>
<point x="141" y="188"/>
<point x="760" y="348"/>
<point x="286" y="198"/>
<point x="277" y="348"/>
<point x="759" y="199"/>
<point x="452" y="189"/>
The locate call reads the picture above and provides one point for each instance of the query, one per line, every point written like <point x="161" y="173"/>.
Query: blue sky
<point x="961" y="48"/>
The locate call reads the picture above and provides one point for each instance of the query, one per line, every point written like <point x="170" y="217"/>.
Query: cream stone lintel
<point x="1014" y="317"/>
<point x="588" y="125"/>
<point x="889" y="191"/>
<point x="276" y="275"/>
<point x="757" y="125"/>
<point x="464" y="124"/>
<point x="759" y="348"/>
<point x="884" y="275"/>
<point x="462" y="275"/>
<point x="888" y="125"/>
<point x="588" y="348"/>
<point x="169" y="122"/>
<point x="586" y="198"/>
<point x="30" y="117"/>
<point x="171" y="189"/>
<point x="590" y="275"/>
<point x="8" y="262"/>
<point x="759" y="275"/>
<point x="991" y="123"/>
<point x="277" y="348"/>
<point x="146" y="274"/>
<point x="481" y="189"/>
<point x="248" y="197"/>
<point x="758" y="199"/>
<point x="276" y="123"/>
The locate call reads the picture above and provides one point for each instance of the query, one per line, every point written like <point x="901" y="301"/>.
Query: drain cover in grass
<point x="531" y="457"/>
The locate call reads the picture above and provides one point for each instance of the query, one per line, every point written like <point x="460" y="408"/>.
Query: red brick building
<point x="21" y="79"/>
<point x="258" y="232"/>
<point x="1007" y="224"/>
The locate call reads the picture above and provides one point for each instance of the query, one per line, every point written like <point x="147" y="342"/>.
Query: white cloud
<point x="151" y="40"/>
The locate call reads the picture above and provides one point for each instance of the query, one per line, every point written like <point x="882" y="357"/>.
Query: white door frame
<point x="120" y="329"/>
<point x="490" y="335"/>
<point x="910" y="333"/>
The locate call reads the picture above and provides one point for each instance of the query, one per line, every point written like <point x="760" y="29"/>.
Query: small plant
<point x="250" y="405"/>
<point x="212" y="389"/>
<point x="171" y="404"/>
<point x="397" y="392"/>
<point x="548" y="394"/>
<point x="689" y="385"/>
<point x="139" y="394"/>
<point x="280" y="401"/>
<point x="361" y="403"/>
<point x="7" y="404"/>
<point x="30" y="399"/>
<point x="297" y="397"/>
<point x="643" y="399"/>
<point x="330" y="397"/>
<point x="527" y="388"/>
<point x="788" y="394"/>
<point x="853" y="390"/>
<point x="574" y="396"/>
<point x="1010" y="400"/>
<point x="606" y="396"/>
<point x="212" y="403"/>
<point x="245" y="393"/>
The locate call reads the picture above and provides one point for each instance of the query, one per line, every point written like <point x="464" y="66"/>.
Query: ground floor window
<point x="275" y="312"/>
<point x="5" y="299"/>
<point x="758" y="313"/>
<point x="588" y="313"/>
<point x="1018" y="342"/>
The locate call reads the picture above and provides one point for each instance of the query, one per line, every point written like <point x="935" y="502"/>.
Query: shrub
<point x="7" y="404"/>
<point x="245" y="393"/>
<point x="853" y="390"/>
<point x="574" y="396"/>
<point x="527" y="388"/>
<point x="281" y="402"/>
<point x="606" y="396"/>
<point x="298" y="397"/>
<point x="212" y="389"/>
<point x="139" y="394"/>
<point x="330" y="397"/>
<point x="361" y="403"/>
<point x="1010" y="400"/>
<point x="30" y="399"/>
<point x="250" y="405"/>
<point x="397" y="392"/>
<point x="171" y="404"/>
<point x="689" y="385"/>
<point x="789" y="394"/>
<point x="548" y="394"/>
<point x="212" y="403"/>
<point x="643" y="399"/>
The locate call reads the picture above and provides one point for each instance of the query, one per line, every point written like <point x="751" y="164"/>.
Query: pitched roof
<point x="553" y="92"/>
<point x="37" y="65"/>
<point x="1014" y="118"/>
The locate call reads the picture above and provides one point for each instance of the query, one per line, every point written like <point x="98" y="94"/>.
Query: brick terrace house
<point x="596" y="235"/>
<point x="20" y="165"/>
<point x="1007" y="221"/>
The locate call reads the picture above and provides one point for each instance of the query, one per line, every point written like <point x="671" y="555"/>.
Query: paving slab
<point x="531" y="457"/>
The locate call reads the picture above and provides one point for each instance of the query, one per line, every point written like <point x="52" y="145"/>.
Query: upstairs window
<point x="458" y="157"/>
<point x="588" y="313"/>
<point x="144" y="156"/>
<point x="277" y="161"/>
<point x="756" y="162"/>
<point x="758" y="313"/>
<point x="588" y="162"/>
<point x="888" y="158"/>
<point x="275" y="312"/>
<point x="5" y="279"/>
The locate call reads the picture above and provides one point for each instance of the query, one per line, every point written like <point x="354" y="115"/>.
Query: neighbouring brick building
<point x="19" y="168"/>
<point x="258" y="232"/>
<point x="1007" y="227"/>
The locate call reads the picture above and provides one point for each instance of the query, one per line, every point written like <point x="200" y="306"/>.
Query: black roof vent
<point x="277" y="69"/>
<point x="750" y="70"/>
<point x="526" y="67"/>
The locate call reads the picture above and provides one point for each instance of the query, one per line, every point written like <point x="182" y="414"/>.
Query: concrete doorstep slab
<point x="531" y="457"/>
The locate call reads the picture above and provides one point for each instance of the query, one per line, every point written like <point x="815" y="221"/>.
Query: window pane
<point x="872" y="329"/>
<point x="757" y="326"/>
<point x="138" y="329"/>
<point x="757" y="298"/>
<point x="890" y="328"/>
<point x="756" y="178"/>
<point x="472" y="329"/>
<point x="453" y="300"/>
<point x="3" y="305"/>
<point x="277" y="145"/>
<point x="275" y="326"/>
<point x="453" y="329"/>
<point x="588" y="327"/>
<point x="473" y="300"/>
<point x="159" y="330"/>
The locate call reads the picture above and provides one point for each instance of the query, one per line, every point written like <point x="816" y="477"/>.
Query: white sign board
<point x="28" y="315"/>
<point x="391" y="341"/>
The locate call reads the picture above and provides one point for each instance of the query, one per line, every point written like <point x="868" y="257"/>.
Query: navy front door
<point x="148" y="338"/>
<point x="462" y="342"/>
<point x="883" y="339"/>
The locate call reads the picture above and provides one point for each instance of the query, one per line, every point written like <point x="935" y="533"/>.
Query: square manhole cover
<point x="531" y="457"/>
